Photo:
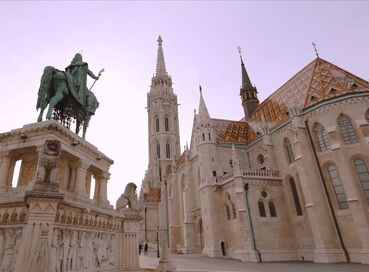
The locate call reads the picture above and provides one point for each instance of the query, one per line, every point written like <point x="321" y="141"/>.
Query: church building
<point x="287" y="182"/>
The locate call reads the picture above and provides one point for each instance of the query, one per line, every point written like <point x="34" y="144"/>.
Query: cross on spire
<point x="316" y="51"/>
<point x="240" y="52"/>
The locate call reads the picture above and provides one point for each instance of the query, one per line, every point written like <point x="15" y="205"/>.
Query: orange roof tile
<point x="153" y="195"/>
<point x="311" y="85"/>
<point x="181" y="160"/>
<point x="235" y="132"/>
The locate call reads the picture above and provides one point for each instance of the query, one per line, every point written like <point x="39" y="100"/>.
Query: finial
<point x="316" y="51"/>
<point x="80" y="52"/>
<point x="240" y="52"/>
<point x="160" y="40"/>
<point x="194" y="111"/>
<point x="200" y="89"/>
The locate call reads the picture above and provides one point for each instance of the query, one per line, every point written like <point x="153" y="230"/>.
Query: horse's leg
<point x="39" y="119"/>
<point x="78" y="123"/>
<point x="60" y="91"/>
<point x="85" y="125"/>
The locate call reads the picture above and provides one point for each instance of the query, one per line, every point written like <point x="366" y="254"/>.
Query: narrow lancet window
<point x="295" y="196"/>
<point x="363" y="175"/>
<point x="347" y="130"/>
<point x="337" y="186"/>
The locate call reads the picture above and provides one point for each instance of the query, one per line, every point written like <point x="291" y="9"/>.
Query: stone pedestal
<point x="50" y="224"/>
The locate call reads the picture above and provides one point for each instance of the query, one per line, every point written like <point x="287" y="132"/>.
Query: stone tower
<point x="162" y="109"/>
<point x="248" y="93"/>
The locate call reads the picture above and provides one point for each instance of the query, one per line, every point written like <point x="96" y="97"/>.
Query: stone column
<point x="72" y="181"/>
<point x="189" y="225"/>
<point x="4" y="171"/>
<point x="38" y="231"/>
<point x="127" y="255"/>
<point x="165" y="262"/>
<point x="80" y="188"/>
<point x="97" y="188"/>
<point x="103" y="182"/>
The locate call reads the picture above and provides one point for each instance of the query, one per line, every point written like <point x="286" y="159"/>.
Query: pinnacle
<point x="160" y="64"/>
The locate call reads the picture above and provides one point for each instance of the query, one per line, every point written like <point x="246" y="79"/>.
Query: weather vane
<point x="316" y="51"/>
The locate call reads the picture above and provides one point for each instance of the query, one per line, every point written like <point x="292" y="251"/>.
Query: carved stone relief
<point x="9" y="247"/>
<point x="74" y="250"/>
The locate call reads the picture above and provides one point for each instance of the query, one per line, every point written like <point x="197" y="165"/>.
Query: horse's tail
<point x="45" y="87"/>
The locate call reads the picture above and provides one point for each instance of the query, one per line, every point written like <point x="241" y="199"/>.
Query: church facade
<point x="288" y="182"/>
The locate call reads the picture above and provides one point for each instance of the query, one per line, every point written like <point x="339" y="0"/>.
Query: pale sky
<point x="200" y="47"/>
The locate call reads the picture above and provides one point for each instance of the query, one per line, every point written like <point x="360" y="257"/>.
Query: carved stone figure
<point x="12" y="242"/>
<point x="49" y="160"/>
<point x="41" y="260"/>
<point x="128" y="198"/>
<point x="54" y="252"/>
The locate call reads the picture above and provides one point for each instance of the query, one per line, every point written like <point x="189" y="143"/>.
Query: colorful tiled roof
<point x="316" y="82"/>
<point x="153" y="195"/>
<point x="235" y="132"/>
<point x="181" y="160"/>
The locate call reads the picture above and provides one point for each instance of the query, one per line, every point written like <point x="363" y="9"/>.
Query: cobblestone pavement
<point x="200" y="263"/>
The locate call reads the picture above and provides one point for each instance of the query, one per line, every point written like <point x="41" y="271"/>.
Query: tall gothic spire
<point x="246" y="82"/>
<point x="248" y="92"/>
<point x="160" y="63"/>
<point x="203" y="111"/>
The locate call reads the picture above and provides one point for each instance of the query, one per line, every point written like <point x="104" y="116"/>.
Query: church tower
<point x="163" y="128"/>
<point x="248" y="93"/>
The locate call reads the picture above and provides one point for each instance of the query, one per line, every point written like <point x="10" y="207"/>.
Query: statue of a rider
<point x="76" y="75"/>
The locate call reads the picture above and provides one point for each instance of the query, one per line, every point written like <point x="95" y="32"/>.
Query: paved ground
<point x="199" y="263"/>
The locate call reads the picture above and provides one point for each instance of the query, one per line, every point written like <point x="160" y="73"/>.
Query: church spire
<point x="203" y="111"/>
<point x="160" y="63"/>
<point x="248" y="92"/>
<point x="246" y="83"/>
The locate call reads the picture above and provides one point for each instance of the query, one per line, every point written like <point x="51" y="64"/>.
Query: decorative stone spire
<point x="248" y="92"/>
<point x="160" y="63"/>
<point x="203" y="111"/>
<point x="246" y="83"/>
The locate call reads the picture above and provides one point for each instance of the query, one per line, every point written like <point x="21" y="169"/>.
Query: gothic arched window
<point x="363" y="175"/>
<point x="158" y="151"/>
<point x="272" y="210"/>
<point x="295" y="196"/>
<point x="234" y="211"/>
<point x="157" y="124"/>
<point x="228" y="213"/>
<point x="322" y="137"/>
<point x="347" y="130"/>
<point x="167" y="150"/>
<point x="203" y="137"/>
<point x="166" y="123"/>
<point x="337" y="186"/>
<point x="261" y="209"/>
<point x="289" y="151"/>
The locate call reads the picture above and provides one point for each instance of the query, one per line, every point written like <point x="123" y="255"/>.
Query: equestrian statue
<point x="67" y="95"/>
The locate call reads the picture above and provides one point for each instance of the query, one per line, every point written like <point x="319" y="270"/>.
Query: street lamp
<point x="157" y="242"/>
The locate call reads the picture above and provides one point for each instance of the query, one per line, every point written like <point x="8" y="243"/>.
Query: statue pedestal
<point x="48" y="226"/>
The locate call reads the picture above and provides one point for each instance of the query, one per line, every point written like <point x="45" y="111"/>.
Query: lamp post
<point x="157" y="243"/>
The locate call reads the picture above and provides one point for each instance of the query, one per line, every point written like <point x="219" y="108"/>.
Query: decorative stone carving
<point x="10" y="238"/>
<point x="128" y="198"/>
<point x="49" y="161"/>
<point x="41" y="259"/>
<point x="79" y="250"/>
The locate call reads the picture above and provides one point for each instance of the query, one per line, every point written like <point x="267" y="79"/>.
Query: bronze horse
<point x="55" y="92"/>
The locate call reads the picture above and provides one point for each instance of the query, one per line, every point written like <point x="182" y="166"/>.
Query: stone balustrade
<point x="249" y="173"/>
